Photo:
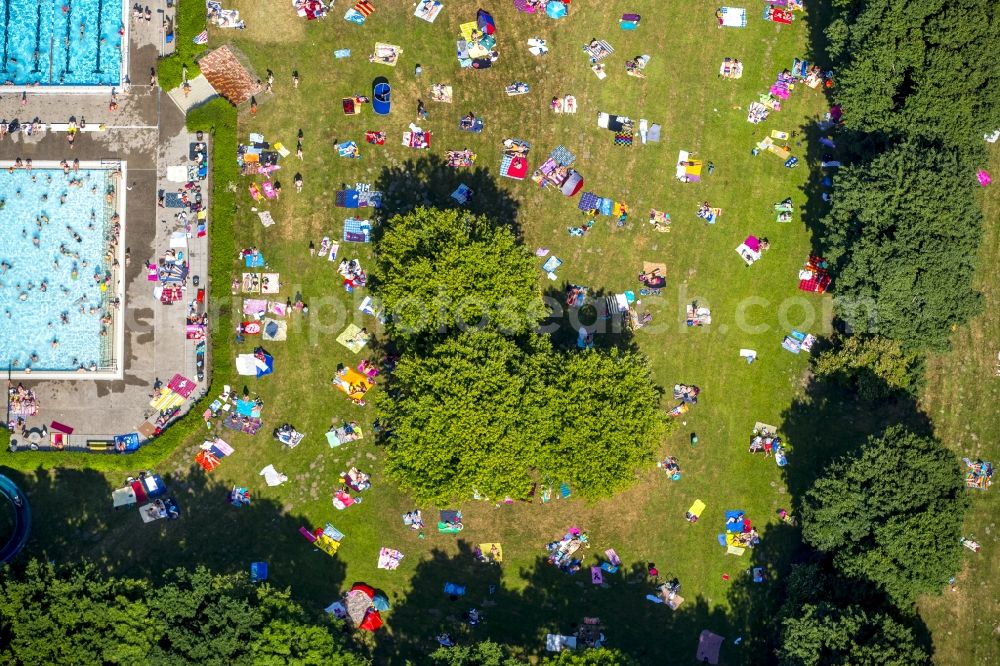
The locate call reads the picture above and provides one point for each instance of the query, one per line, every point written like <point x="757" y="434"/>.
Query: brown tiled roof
<point x="229" y="78"/>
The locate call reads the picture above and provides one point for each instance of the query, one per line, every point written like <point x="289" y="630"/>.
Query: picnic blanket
<point x="357" y="231"/>
<point x="417" y="138"/>
<point x="273" y="477"/>
<point x="731" y="68"/>
<point x="732" y="17"/>
<point x="388" y="559"/>
<point x="428" y="10"/>
<point x="598" y="50"/>
<point x="353" y="338"/>
<point x="385" y="54"/>
<point x="270" y="283"/>
<point x="254" y="306"/>
<point x="442" y="93"/>
<point x="272" y="329"/>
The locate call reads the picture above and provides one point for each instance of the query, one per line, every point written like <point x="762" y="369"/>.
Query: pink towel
<point x="269" y="190"/>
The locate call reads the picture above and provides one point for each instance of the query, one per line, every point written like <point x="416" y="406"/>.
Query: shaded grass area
<point x="961" y="396"/>
<point x="752" y="307"/>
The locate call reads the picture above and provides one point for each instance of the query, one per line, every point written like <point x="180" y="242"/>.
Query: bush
<point x="218" y="119"/>
<point x="189" y="23"/>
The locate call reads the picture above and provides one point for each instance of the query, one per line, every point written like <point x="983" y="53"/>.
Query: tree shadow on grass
<point x="830" y="420"/>
<point x="74" y="520"/>
<point x="546" y="601"/>
<point x="429" y="181"/>
<point x="564" y="322"/>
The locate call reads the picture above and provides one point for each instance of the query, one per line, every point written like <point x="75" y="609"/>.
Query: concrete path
<point x="201" y="91"/>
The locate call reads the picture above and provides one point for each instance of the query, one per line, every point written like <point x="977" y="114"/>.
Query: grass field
<point x="752" y="307"/>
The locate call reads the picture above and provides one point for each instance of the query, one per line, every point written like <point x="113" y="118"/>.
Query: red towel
<point x="61" y="427"/>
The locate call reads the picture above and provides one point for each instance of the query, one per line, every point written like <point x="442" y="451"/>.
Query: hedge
<point x="218" y="119"/>
<point x="190" y="22"/>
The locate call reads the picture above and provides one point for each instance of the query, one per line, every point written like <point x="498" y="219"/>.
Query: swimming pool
<point x="61" y="42"/>
<point x="54" y="261"/>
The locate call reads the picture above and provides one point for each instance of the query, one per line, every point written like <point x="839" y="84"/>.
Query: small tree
<point x="874" y="366"/>
<point x="892" y="514"/>
<point x="442" y="271"/>
<point x="486" y="653"/>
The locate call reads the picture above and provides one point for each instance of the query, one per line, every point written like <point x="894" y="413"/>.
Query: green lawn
<point x="752" y="307"/>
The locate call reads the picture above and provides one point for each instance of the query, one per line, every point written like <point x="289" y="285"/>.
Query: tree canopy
<point x="919" y="68"/>
<point x="491" y="407"/>
<point x="903" y="235"/>
<point x="607" y="410"/>
<point x="826" y="619"/>
<point x="488" y="653"/>
<point x="448" y="270"/>
<point x="470" y="414"/>
<point x="874" y="366"/>
<point x="484" y="412"/>
<point x="892" y="514"/>
<point x="77" y="615"/>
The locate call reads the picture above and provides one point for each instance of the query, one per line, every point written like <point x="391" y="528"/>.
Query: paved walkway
<point x="147" y="132"/>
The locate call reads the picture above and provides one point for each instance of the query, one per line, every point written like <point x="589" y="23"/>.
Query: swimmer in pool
<point x="43" y="287"/>
<point x="44" y="197"/>
<point x="55" y="343"/>
<point x="64" y="318"/>
<point x="62" y="199"/>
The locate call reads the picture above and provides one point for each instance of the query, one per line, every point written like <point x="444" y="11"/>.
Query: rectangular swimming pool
<point x="62" y="42"/>
<point x="60" y="237"/>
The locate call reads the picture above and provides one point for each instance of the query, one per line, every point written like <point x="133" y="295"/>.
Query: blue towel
<point x="342" y="53"/>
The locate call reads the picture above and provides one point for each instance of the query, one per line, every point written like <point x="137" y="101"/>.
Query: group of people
<point x="14" y="126"/>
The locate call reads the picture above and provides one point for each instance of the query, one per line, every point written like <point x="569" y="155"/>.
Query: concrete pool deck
<point x="147" y="132"/>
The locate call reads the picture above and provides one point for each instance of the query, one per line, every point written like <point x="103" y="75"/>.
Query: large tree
<point x="826" y="619"/>
<point x="441" y="271"/>
<point x="81" y="616"/>
<point x="469" y="415"/>
<point x="493" y="414"/>
<point x="903" y="235"/>
<point x="607" y="408"/>
<point x="919" y="68"/>
<point x="74" y="617"/>
<point x="891" y="514"/>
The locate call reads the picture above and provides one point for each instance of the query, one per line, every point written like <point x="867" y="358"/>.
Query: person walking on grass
<point x="295" y="79"/>
<point x="421" y="111"/>
<point x="298" y="183"/>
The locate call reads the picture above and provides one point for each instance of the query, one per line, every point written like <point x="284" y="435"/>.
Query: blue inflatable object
<point x="258" y="572"/>
<point x="22" y="519"/>
<point x="381" y="96"/>
<point x="556" y="9"/>
<point x="454" y="589"/>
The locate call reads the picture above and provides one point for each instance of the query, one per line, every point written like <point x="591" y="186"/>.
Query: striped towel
<point x="202" y="37"/>
<point x="364" y="8"/>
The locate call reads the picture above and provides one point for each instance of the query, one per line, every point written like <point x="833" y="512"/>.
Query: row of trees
<point x="480" y="401"/>
<point x="918" y="90"/>
<point x="79" y="616"/>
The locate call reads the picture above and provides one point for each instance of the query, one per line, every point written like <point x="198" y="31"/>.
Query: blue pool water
<point x="30" y="318"/>
<point x="42" y="42"/>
